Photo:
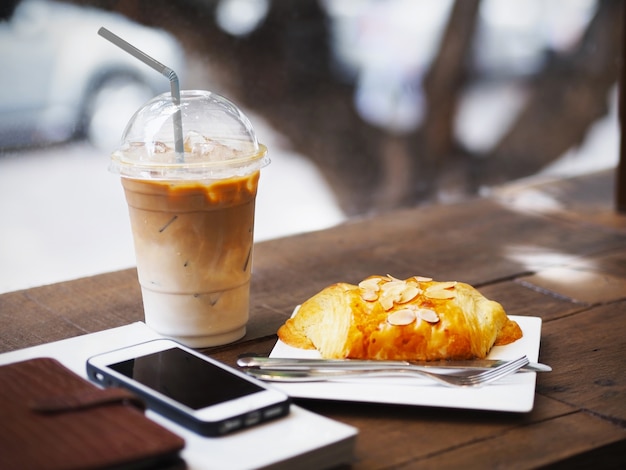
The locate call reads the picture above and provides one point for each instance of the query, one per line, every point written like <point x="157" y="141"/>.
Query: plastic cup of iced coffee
<point x="192" y="214"/>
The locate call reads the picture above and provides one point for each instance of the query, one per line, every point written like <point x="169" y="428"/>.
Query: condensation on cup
<point x="192" y="214"/>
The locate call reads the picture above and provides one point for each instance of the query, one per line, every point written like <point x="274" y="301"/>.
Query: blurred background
<point x="365" y="106"/>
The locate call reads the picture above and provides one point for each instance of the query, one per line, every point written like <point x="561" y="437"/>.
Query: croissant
<point x="391" y="319"/>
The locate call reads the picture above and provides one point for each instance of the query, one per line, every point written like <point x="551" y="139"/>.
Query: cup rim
<point x="184" y="170"/>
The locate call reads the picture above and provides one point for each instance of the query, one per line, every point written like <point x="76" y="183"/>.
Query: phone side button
<point x="273" y="412"/>
<point x="230" y="425"/>
<point x="252" y="418"/>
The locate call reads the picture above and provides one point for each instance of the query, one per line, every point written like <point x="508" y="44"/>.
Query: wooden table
<point x="554" y="249"/>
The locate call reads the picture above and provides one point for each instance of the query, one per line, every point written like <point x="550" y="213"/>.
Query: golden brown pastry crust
<point x="387" y="318"/>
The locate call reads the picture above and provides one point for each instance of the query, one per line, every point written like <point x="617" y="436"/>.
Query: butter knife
<point x="279" y="363"/>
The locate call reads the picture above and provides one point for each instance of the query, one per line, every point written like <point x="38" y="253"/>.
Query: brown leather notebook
<point x="51" y="418"/>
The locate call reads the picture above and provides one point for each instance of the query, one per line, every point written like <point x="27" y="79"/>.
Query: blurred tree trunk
<point x="284" y="72"/>
<point x="567" y="97"/>
<point x="433" y="148"/>
<point x="6" y="8"/>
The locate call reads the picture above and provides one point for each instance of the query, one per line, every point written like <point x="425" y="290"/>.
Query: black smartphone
<point x="189" y="388"/>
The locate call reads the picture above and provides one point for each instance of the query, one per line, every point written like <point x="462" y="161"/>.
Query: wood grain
<point x="579" y="416"/>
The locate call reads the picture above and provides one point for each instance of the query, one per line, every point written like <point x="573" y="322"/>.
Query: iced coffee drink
<point x="192" y="216"/>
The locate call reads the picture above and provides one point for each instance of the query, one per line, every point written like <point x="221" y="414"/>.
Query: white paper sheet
<point x="293" y="440"/>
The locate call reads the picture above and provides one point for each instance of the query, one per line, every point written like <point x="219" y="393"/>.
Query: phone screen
<point x="186" y="378"/>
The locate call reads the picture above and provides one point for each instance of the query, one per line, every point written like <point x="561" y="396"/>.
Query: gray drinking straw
<point x="163" y="70"/>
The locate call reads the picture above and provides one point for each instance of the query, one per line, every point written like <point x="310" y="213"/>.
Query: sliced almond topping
<point x="443" y="285"/>
<point x="422" y="278"/>
<point x="427" y="315"/>
<point x="392" y="278"/>
<point x="371" y="283"/>
<point x="439" y="294"/>
<point x="393" y="285"/>
<point x="386" y="301"/>
<point x="401" y="317"/>
<point x="391" y="292"/>
<point x="408" y="293"/>
<point x="369" y="295"/>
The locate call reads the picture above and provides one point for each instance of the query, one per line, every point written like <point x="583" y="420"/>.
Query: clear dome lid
<point x="218" y="140"/>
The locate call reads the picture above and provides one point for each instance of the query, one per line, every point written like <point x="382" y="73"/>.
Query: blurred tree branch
<point x="567" y="97"/>
<point x="283" y="71"/>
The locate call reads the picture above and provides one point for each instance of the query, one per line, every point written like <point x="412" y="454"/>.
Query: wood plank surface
<point x="584" y="348"/>
<point x="585" y="199"/>
<point x="505" y="247"/>
<point x="479" y="242"/>
<point x="67" y="309"/>
<point x="531" y="446"/>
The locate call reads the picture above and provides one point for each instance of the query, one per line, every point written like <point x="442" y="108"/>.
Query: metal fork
<point x="456" y="378"/>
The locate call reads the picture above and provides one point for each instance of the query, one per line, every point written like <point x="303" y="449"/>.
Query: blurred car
<point x="61" y="80"/>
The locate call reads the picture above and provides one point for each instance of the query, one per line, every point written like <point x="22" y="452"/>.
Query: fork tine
<point x="476" y="380"/>
<point x="504" y="368"/>
<point x="499" y="372"/>
<point x="494" y="374"/>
